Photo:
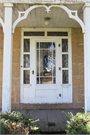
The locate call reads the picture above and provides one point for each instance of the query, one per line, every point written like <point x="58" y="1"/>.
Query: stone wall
<point x="77" y="67"/>
<point x="77" y="73"/>
<point x="16" y="67"/>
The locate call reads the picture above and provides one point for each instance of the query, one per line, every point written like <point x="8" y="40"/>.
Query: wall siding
<point x="77" y="72"/>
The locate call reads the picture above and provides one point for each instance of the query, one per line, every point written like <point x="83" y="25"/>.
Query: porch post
<point x="7" y="59"/>
<point x="86" y="13"/>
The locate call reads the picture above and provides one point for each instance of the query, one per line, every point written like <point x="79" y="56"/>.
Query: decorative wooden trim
<point x="71" y="13"/>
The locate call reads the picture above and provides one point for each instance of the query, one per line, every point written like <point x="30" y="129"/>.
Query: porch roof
<point x="35" y="19"/>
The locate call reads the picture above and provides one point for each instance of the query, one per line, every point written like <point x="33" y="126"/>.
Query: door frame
<point x="50" y="37"/>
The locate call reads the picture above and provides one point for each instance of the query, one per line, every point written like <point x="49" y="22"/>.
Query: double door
<point x="45" y="72"/>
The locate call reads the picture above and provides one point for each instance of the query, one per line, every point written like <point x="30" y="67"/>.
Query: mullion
<point x="52" y="62"/>
<point x="39" y="62"/>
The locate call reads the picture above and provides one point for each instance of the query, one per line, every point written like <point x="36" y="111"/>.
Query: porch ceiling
<point x="59" y="17"/>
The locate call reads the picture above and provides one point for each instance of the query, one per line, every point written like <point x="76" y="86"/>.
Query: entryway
<point x="46" y="66"/>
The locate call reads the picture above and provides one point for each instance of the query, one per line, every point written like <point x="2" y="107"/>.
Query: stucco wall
<point x="77" y="72"/>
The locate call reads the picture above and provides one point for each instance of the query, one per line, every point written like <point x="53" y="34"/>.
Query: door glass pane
<point x="37" y="62"/>
<point x="46" y="80"/>
<point x="64" y="45"/>
<point x="65" y="76"/>
<point x="54" y="80"/>
<point x="37" y="80"/>
<point x="46" y="65"/>
<point x="65" y="60"/>
<point x="45" y="62"/>
<point x="26" y="61"/>
<point x="53" y="33"/>
<point x="35" y="33"/>
<point x="54" y="63"/>
<point x="37" y="45"/>
<point x="26" y="76"/>
<point x="53" y="45"/>
<point x="26" y="45"/>
<point x="47" y="45"/>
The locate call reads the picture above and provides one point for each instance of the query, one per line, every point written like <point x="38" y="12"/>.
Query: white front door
<point x="47" y="77"/>
<point x="45" y="70"/>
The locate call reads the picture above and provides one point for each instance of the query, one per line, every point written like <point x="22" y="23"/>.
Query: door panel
<point x="47" y="75"/>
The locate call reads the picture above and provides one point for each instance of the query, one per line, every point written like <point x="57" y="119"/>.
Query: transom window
<point x="46" y="62"/>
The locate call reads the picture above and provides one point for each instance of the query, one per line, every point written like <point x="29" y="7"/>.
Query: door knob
<point x="59" y="68"/>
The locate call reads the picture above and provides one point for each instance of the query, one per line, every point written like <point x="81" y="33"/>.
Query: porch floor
<point x="50" y="120"/>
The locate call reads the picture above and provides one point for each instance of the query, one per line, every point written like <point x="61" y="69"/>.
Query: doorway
<point x="45" y="69"/>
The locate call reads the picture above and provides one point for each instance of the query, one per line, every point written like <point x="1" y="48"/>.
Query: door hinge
<point x="59" y="45"/>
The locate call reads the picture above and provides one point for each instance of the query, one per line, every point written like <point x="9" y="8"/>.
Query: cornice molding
<point x="45" y="1"/>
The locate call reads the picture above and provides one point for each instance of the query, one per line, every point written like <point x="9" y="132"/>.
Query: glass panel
<point x="37" y="45"/>
<point x="46" y="80"/>
<point x="54" y="63"/>
<point x="65" y="60"/>
<point x="34" y="33"/>
<point x="37" y="80"/>
<point x="26" y="45"/>
<point x="46" y="45"/>
<point x="54" y="80"/>
<point x="45" y="62"/>
<point x="26" y="76"/>
<point x="64" y="45"/>
<point x="37" y="62"/>
<point x="57" y="33"/>
<point x="53" y="45"/>
<point x="26" y="61"/>
<point x="65" y="76"/>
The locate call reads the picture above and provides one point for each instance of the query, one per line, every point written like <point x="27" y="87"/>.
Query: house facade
<point x="44" y="54"/>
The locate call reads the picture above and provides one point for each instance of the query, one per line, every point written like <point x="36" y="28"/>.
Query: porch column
<point x="86" y="13"/>
<point x="7" y="59"/>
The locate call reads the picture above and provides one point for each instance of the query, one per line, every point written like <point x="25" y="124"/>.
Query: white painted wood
<point x="42" y="93"/>
<point x="86" y="11"/>
<point x="7" y="59"/>
<point x="48" y="9"/>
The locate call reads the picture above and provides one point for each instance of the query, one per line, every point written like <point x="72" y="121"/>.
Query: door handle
<point x="33" y="72"/>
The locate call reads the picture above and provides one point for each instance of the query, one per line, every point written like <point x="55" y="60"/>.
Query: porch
<point x="70" y="18"/>
<point x="49" y="120"/>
